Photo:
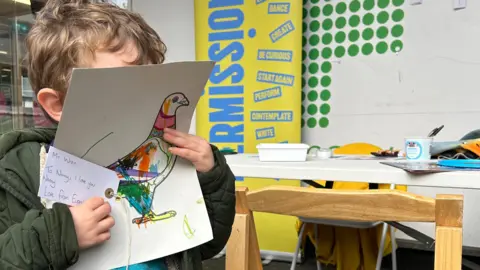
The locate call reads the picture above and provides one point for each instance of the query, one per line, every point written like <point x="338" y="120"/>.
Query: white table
<point x="367" y="171"/>
<point x="370" y="171"/>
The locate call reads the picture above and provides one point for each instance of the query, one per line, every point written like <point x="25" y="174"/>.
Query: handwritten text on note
<point x="72" y="180"/>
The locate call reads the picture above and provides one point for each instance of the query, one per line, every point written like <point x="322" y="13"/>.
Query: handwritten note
<point x="72" y="180"/>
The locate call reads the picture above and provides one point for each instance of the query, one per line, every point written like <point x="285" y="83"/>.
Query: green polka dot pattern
<point x="333" y="30"/>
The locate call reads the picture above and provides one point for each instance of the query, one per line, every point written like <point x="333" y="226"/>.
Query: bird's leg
<point x="162" y="216"/>
<point x="152" y="217"/>
<point x="144" y="219"/>
<point x="137" y="221"/>
<point x="138" y="224"/>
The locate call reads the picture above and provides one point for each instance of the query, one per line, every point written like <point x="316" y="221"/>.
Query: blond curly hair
<point x="67" y="33"/>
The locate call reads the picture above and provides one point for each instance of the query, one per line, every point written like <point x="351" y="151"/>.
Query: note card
<point x="71" y="180"/>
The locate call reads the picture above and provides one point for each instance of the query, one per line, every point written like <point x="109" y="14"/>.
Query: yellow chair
<point x="349" y="245"/>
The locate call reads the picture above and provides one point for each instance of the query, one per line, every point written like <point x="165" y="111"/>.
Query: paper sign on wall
<point x="72" y="180"/>
<point x="459" y="4"/>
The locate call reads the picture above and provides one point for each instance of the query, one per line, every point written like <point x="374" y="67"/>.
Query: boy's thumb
<point x="94" y="203"/>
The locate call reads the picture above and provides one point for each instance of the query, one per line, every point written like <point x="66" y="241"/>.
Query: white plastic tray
<point x="282" y="152"/>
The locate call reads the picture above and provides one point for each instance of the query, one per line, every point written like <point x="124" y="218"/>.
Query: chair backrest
<point x="364" y="205"/>
<point x="356" y="149"/>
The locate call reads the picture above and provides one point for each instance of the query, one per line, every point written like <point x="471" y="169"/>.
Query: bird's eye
<point x="175" y="99"/>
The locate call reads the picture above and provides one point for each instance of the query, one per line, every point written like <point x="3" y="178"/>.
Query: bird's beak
<point x="184" y="102"/>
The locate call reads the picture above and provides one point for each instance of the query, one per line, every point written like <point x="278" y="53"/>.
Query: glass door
<point x="7" y="69"/>
<point x="18" y="107"/>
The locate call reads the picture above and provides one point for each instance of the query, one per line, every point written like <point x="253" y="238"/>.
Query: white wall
<point x="432" y="81"/>
<point x="174" y="22"/>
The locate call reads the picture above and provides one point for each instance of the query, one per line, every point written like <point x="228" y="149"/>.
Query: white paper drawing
<point x="115" y="118"/>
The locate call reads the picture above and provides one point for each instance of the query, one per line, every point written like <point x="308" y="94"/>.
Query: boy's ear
<point x="52" y="102"/>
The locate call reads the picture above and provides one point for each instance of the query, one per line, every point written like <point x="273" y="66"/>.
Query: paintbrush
<point x="435" y="131"/>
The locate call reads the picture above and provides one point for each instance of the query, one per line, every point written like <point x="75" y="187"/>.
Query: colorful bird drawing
<point x="144" y="169"/>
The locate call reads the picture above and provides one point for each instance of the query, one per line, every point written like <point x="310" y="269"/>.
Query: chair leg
<point x="297" y="248"/>
<point x="382" y="247"/>
<point x="238" y="244"/>
<point x="448" y="232"/>
<point x="393" y="239"/>
<point x="319" y="265"/>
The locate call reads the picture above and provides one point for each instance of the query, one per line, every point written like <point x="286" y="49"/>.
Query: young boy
<point x="76" y="33"/>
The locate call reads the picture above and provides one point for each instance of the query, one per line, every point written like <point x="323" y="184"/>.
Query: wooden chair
<point x="446" y="211"/>
<point x="350" y="149"/>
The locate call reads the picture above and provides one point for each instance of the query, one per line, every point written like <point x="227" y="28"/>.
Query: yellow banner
<point x="254" y="93"/>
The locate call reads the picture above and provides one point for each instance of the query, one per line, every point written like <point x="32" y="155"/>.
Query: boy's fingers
<point x="175" y="132"/>
<point x="175" y="140"/>
<point x="201" y="145"/>
<point x="194" y="143"/>
<point x="183" y="142"/>
<point x="106" y="224"/>
<point x="102" y="211"/>
<point x="104" y="237"/>
<point x="184" y="153"/>
<point x="94" y="203"/>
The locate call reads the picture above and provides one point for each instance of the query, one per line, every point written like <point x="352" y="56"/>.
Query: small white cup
<point x="320" y="153"/>
<point x="418" y="149"/>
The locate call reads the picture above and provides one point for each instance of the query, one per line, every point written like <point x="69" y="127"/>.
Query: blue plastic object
<point x="460" y="163"/>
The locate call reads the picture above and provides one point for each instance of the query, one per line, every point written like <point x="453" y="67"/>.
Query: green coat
<point x="33" y="237"/>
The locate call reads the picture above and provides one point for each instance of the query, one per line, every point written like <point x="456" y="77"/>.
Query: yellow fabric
<point x="473" y="146"/>
<point x="348" y="248"/>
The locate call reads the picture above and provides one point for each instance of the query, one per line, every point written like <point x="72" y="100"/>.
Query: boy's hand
<point x="192" y="148"/>
<point x="92" y="222"/>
